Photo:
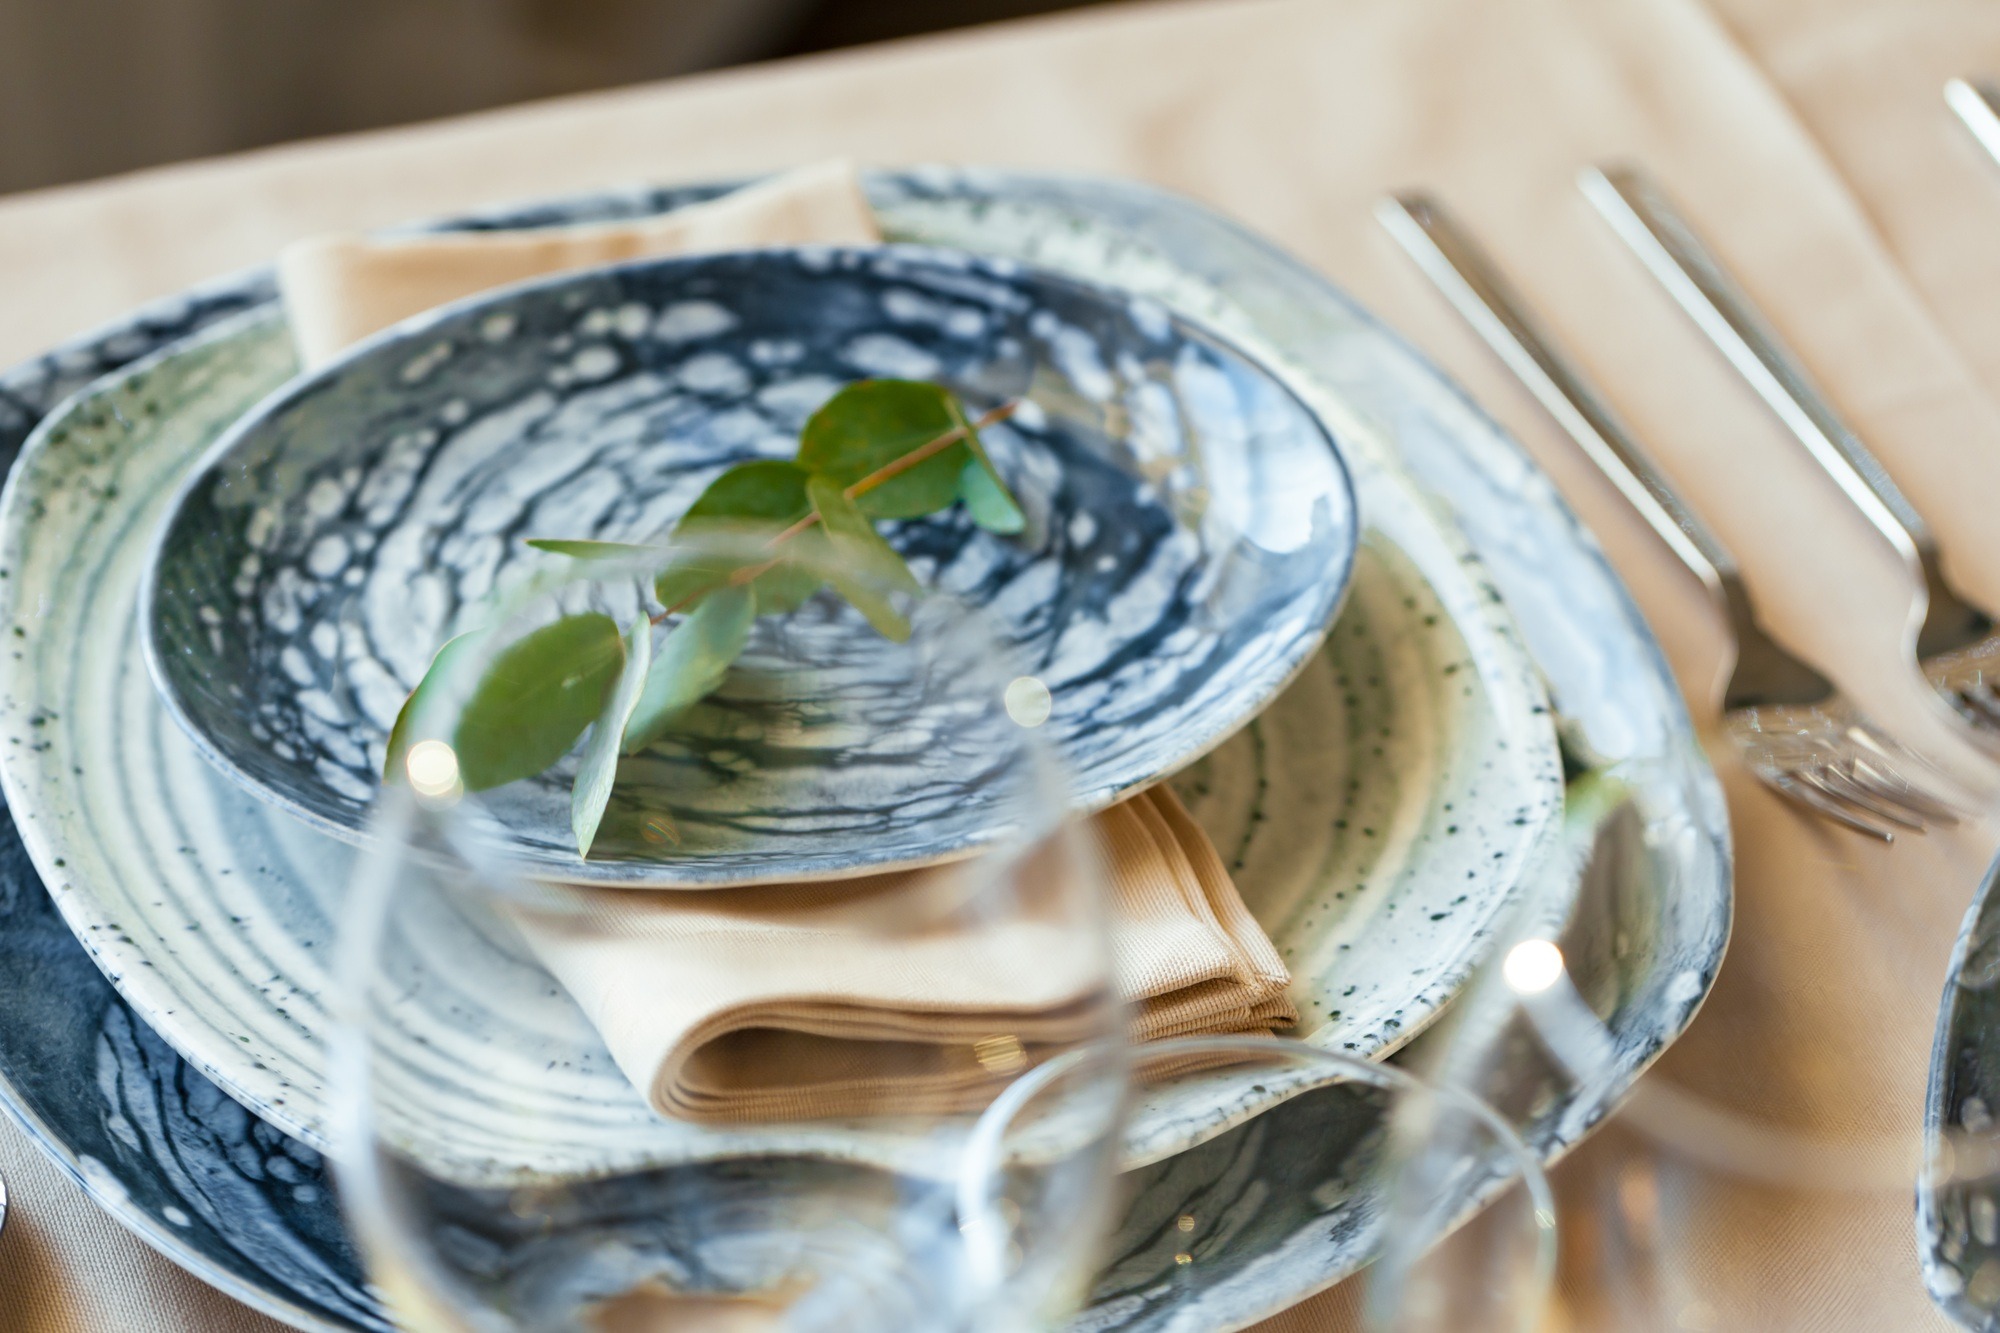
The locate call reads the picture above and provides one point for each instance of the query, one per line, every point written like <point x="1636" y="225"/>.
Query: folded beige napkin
<point x="339" y="289"/>
<point x="794" y="1001"/>
<point x="797" y="1001"/>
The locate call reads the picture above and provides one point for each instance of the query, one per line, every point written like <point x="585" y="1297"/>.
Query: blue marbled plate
<point x="78" y="1069"/>
<point x="1958" y="1194"/>
<point x="1191" y="530"/>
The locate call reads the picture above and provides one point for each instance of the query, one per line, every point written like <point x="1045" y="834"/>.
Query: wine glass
<point x="798" y="1015"/>
<point x="1658" y="1206"/>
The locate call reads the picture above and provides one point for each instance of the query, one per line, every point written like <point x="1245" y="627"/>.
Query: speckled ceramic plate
<point x="1190" y="531"/>
<point x="212" y="1187"/>
<point x="1376" y="817"/>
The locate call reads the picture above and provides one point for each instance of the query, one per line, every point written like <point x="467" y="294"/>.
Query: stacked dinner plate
<point x="1488" y="730"/>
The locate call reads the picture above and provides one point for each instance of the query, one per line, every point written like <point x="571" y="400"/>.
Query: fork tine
<point x="1886" y="748"/>
<point x="1796" y="786"/>
<point x="1817" y="779"/>
<point x="1841" y="788"/>
<point x="1889" y="784"/>
<point x="1850" y="788"/>
<point x="1893" y="763"/>
<point x="1918" y="802"/>
<point x="1979" y="707"/>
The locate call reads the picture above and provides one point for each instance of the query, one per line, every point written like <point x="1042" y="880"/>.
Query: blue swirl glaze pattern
<point x="1191" y="532"/>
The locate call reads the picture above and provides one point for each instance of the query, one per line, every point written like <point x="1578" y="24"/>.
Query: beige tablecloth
<point x="1807" y="136"/>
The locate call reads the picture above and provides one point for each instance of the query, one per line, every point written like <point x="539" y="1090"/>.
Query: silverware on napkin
<point x="1956" y="647"/>
<point x="1796" y="731"/>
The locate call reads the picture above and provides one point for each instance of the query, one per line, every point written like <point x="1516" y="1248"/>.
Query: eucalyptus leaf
<point x="987" y="499"/>
<point x="856" y="544"/>
<point x="865" y="569"/>
<point x="872" y="423"/>
<point x="773" y="489"/>
<point x="536" y="699"/>
<point x="786" y="585"/>
<point x="435" y="674"/>
<point x="599" y="770"/>
<point x="691" y="575"/>
<point x="590" y="550"/>
<point x="691" y="662"/>
<point x="787" y="582"/>
<point x="751" y="503"/>
<point x="794" y="527"/>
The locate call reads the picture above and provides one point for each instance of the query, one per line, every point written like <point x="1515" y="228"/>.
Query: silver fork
<point x="1795" y="731"/>
<point x="1955" y="647"/>
<point x="1978" y="105"/>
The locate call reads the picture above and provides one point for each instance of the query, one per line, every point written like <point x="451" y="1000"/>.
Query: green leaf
<point x="856" y="544"/>
<point x="692" y="575"/>
<point x="785" y="586"/>
<point x="599" y="769"/>
<point x="536" y="699"/>
<point x="751" y="503"/>
<point x="589" y="550"/>
<point x="692" y="662"/>
<point x="438" y="671"/>
<point x="771" y="489"/>
<point x="695" y="574"/>
<point x="865" y="569"/>
<point x="869" y="425"/>
<point x="987" y="499"/>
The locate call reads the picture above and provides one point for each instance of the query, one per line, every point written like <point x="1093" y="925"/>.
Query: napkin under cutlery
<point x="791" y="1001"/>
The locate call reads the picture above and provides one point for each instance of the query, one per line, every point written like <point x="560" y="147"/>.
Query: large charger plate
<point x="237" y="1202"/>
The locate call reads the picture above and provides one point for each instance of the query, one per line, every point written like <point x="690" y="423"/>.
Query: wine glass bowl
<point x="828" y="1102"/>
<point x="1422" y="1184"/>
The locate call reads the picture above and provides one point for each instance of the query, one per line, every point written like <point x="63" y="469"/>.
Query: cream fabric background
<point x="1806" y="136"/>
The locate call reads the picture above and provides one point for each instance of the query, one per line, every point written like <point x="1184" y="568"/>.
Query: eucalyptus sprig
<point x="878" y="449"/>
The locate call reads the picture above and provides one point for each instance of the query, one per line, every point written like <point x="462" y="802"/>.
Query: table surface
<point x="1807" y="135"/>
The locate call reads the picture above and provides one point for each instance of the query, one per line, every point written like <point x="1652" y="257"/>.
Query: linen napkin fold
<point x="339" y="289"/>
<point x="795" y="1001"/>
<point x="801" y="1001"/>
